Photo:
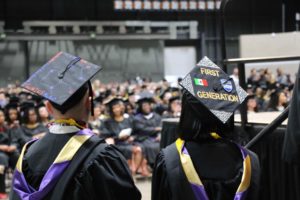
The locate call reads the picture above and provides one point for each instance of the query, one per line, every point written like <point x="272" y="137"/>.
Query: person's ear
<point x="49" y="107"/>
<point x="88" y="103"/>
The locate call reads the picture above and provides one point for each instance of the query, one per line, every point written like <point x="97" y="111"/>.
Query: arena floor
<point x="145" y="189"/>
<point x="143" y="185"/>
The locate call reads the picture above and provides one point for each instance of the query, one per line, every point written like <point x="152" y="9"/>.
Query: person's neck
<point x="44" y="120"/>
<point x="119" y="118"/>
<point x="32" y="125"/>
<point x="77" y="119"/>
<point x="251" y="109"/>
<point x="94" y="118"/>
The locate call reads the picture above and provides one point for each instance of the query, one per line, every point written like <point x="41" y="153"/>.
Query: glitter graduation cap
<point x="214" y="89"/>
<point x="61" y="77"/>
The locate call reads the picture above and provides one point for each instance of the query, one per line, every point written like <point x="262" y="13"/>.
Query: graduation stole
<point x="60" y="164"/>
<point x="195" y="182"/>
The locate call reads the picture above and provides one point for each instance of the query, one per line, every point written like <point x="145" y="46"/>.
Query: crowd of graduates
<point x="128" y="115"/>
<point x="125" y="114"/>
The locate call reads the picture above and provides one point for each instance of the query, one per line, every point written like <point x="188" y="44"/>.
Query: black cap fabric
<point x="214" y="89"/>
<point x="27" y="105"/>
<point x="145" y="97"/>
<point x="113" y="100"/>
<point x="174" y="99"/>
<point x="14" y="99"/>
<point x="61" y="77"/>
<point x="173" y="90"/>
<point x="11" y="106"/>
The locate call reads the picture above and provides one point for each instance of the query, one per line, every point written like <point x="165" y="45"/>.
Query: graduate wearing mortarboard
<point x="118" y="129"/>
<point x="147" y="127"/>
<point x="168" y="94"/>
<point x="204" y="163"/>
<point x="174" y="108"/>
<point x="69" y="162"/>
<point x="31" y="126"/>
<point x="8" y="153"/>
<point x="13" y="117"/>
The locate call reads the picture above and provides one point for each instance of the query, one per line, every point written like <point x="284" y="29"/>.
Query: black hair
<point x="25" y="117"/>
<point x="171" y="100"/>
<point x="197" y="122"/>
<point x="274" y="100"/>
<point x="111" y="104"/>
<point x="131" y="106"/>
<point x="140" y="104"/>
<point x="7" y="109"/>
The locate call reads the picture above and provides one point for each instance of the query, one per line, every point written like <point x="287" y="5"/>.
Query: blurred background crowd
<point x="127" y="114"/>
<point x="268" y="91"/>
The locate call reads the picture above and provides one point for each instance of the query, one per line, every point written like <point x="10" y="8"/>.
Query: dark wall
<point x="121" y="60"/>
<point x="260" y="15"/>
<point x="242" y="17"/>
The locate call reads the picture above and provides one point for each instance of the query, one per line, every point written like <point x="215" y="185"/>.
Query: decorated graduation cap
<point x="63" y="80"/>
<point x="213" y="89"/>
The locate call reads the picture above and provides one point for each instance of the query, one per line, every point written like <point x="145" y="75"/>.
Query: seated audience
<point x="31" y="126"/>
<point x="147" y="128"/>
<point x="117" y="129"/>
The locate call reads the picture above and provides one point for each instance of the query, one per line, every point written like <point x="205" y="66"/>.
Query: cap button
<point x="60" y="76"/>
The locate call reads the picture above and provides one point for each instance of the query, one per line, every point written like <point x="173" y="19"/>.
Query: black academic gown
<point x="7" y="159"/>
<point x="17" y="137"/>
<point x="104" y="174"/>
<point x="291" y="144"/>
<point x="28" y="133"/>
<point x="145" y="133"/>
<point x="218" y="164"/>
<point x="112" y="128"/>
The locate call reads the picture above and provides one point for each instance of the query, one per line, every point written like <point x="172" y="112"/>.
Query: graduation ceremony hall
<point x="149" y="100"/>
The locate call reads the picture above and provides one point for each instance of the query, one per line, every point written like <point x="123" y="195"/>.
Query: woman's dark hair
<point x="111" y="105"/>
<point x="140" y="104"/>
<point x="9" y="121"/>
<point x="128" y="105"/>
<point x="171" y="100"/>
<point x="25" y="116"/>
<point x="197" y="122"/>
<point x="2" y="110"/>
<point x="274" y="100"/>
<point x="250" y="97"/>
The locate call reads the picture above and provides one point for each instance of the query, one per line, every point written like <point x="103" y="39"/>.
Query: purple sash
<point x="60" y="164"/>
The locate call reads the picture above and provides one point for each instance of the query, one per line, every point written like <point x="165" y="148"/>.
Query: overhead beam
<point x="48" y="37"/>
<point x="173" y="28"/>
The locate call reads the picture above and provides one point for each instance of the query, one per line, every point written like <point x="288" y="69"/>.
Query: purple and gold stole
<point x="195" y="182"/>
<point x="60" y="164"/>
